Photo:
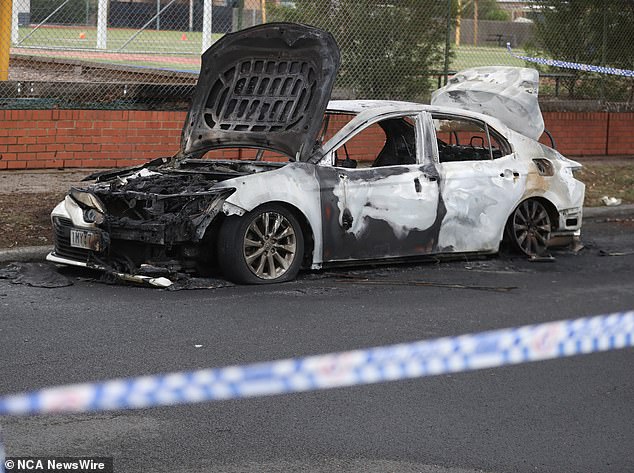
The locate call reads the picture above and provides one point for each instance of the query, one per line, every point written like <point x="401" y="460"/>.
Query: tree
<point x="599" y="32"/>
<point x="388" y="48"/>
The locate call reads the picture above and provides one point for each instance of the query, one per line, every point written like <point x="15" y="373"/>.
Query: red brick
<point x="65" y="124"/>
<point x="52" y="163"/>
<point x="16" y="164"/>
<point x="84" y="124"/>
<point x="41" y="115"/>
<point x="42" y="132"/>
<point x="99" y="163"/>
<point x="63" y="139"/>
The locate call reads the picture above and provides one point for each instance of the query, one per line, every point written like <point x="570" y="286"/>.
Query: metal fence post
<point x="15" y="31"/>
<point x="207" y="22"/>
<point x="6" y="14"/>
<point x="447" y="41"/>
<point x="102" y="24"/>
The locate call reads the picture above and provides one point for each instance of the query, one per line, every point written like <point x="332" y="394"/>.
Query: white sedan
<point x="361" y="180"/>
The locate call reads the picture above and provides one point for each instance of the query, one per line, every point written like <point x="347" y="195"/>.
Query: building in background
<point x="517" y="8"/>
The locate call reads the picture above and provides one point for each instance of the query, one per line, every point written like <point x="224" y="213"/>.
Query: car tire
<point x="263" y="246"/>
<point x="528" y="228"/>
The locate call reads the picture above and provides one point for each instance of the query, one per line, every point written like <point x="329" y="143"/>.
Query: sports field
<point x="162" y="49"/>
<point x="471" y="56"/>
<point x="147" y="41"/>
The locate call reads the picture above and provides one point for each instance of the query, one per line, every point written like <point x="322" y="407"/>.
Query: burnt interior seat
<point x="400" y="144"/>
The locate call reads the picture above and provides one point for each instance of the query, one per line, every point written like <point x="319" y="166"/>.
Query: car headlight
<point x="87" y="200"/>
<point x="93" y="216"/>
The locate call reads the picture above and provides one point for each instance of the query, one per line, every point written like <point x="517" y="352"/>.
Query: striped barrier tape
<point x="389" y="363"/>
<point x="572" y="65"/>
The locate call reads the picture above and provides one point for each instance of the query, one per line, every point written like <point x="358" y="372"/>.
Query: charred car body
<point x="453" y="177"/>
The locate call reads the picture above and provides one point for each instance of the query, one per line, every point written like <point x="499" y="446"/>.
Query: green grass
<point x="151" y="41"/>
<point x="148" y="41"/>
<point x="471" y="56"/>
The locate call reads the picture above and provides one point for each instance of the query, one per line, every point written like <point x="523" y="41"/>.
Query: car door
<point x="388" y="206"/>
<point x="481" y="183"/>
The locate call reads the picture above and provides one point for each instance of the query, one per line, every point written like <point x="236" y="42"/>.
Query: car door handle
<point x="417" y="185"/>
<point x="346" y="219"/>
<point x="509" y="173"/>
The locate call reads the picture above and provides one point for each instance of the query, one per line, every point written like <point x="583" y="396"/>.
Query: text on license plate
<point x="85" y="239"/>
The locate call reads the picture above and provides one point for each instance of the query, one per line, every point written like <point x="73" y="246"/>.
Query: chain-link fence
<point x="146" y="53"/>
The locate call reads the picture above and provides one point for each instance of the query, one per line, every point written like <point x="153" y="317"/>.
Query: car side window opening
<point x="465" y="139"/>
<point x="390" y="142"/>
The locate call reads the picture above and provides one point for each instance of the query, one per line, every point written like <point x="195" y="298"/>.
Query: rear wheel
<point x="262" y="247"/>
<point x="529" y="228"/>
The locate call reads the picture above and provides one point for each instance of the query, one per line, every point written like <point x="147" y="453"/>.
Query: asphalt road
<point x="572" y="415"/>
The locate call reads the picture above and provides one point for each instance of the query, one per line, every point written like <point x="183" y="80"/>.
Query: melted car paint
<point x="382" y="223"/>
<point x="394" y="198"/>
<point x="478" y="202"/>
<point x="506" y="93"/>
<point x="294" y="185"/>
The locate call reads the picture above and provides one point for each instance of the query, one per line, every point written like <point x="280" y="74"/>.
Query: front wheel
<point x="262" y="247"/>
<point x="529" y="228"/>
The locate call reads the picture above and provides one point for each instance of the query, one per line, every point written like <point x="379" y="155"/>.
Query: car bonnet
<point x="506" y="93"/>
<point x="263" y="87"/>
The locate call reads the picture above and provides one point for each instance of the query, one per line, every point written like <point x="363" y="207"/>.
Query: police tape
<point x="572" y="65"/>
<point x="388" y="363"/>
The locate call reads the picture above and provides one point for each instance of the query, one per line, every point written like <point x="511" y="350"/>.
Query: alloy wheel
<point x="531" y="228"/>
<point x="270" y="245"/>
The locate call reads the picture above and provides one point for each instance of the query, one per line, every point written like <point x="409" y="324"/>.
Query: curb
<point x="38" y="253"/>
<point x="24" y="254"/>
<point x="593" y="213"/>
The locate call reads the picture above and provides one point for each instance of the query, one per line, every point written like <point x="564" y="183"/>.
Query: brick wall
<point x="110" y="138"/>
<point x="86" y="138"/>
<point x="581" y="133"/>
<point x="621" y="133"/>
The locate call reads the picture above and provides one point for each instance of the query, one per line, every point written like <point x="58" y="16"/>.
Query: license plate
<point x="85" y="239"/>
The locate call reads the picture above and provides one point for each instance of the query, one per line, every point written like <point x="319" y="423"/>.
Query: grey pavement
<point x="39" y="181"/>
<point x="559" y="416"/>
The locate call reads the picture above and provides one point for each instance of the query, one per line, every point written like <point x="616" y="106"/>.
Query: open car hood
<point x="506" y="93"/>
<point x="262" y="87"/>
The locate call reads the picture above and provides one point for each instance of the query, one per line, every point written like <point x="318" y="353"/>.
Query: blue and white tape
<point x="389" y="363"/>
<point x="572" y="65"/>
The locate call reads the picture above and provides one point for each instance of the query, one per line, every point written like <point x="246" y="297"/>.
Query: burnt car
<point x="359" y="181"/>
